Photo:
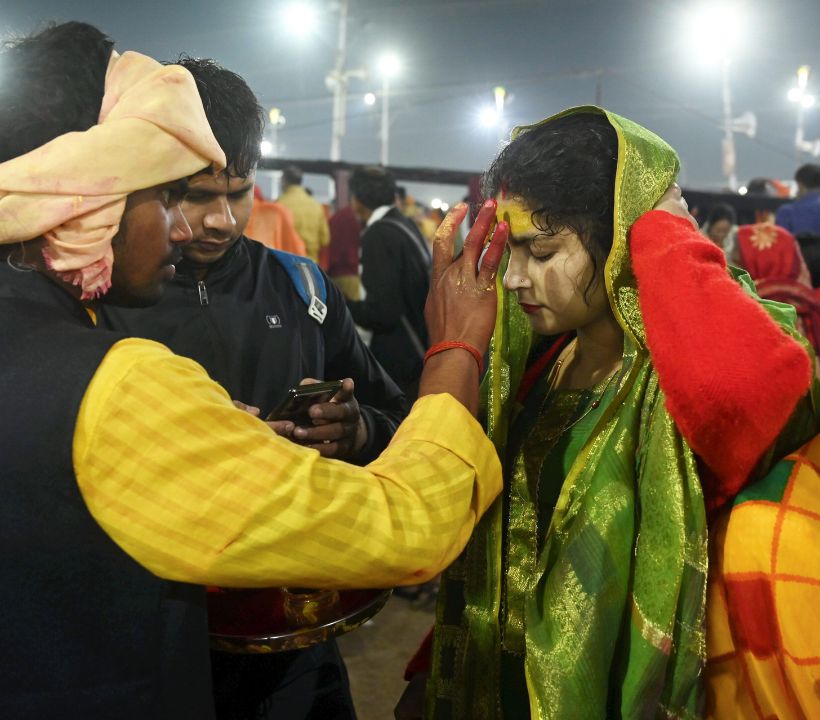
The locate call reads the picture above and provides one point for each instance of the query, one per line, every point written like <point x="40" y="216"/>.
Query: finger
<point x="345" y="393"/>
<point x="281" y="427"/>
<point x="250" y="409"/>
<point x="334" y="412"/>
<point x="492" y="256"/>
<point x="474" y="242"/>
<point x="320" y="433"/>
<point x="443" y="239"/>
<point x="309" y="381"/>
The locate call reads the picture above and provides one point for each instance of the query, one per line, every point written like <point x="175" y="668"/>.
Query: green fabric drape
<point x="609" y="616"/>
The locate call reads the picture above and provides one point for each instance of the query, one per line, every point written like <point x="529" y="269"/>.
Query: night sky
<point x="549" y="55"/>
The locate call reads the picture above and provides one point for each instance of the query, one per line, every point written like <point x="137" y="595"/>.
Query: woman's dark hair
<point x="373" y="186"/>
<point x="233" y="112"/>
<point x="719" y="212"/>
<point x="51" y="83"/>
<point x="564" y="171"/>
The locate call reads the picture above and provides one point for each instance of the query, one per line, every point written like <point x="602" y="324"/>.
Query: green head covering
<point x="609" y="615"/>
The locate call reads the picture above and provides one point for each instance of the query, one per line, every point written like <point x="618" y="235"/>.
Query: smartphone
<point x="297" y="402"/>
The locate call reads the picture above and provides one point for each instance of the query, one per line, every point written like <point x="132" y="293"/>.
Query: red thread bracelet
<point x="452" y="345"/>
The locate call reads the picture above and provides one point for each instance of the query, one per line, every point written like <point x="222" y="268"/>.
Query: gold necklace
<point x="594" y="405"/>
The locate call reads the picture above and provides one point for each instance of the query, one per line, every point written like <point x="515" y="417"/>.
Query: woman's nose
<point x="516" y="276"/>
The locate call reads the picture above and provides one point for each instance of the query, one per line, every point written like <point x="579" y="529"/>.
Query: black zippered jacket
<point x="246" y="324"/>
<point x="87" y="631"/>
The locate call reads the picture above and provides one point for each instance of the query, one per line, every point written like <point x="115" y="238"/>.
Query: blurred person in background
<point x="721" y="228"/>
<point x="272" y="224"/>
<point x="395" y="261"/>
<point x="343" y="253"/>
<point x="308" y="215"/>
<point x="803" y="215"/>
<point x="772" y="256"/>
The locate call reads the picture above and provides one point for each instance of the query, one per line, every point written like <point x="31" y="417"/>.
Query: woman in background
<point x="721" y="228"/>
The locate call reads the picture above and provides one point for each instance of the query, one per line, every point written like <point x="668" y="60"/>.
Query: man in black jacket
<point x="260" y="322"/>
<point x="395" y="261"/>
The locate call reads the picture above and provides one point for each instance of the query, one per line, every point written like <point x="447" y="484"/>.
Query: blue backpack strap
<point x="308" y="281"/>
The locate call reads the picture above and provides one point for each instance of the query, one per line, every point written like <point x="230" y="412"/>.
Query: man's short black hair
<point x="233" y="112"/>
<point x="292" y="175"/>
<point x="808" y="176"/>
<point x="51" y="83"/>
<point x="373" y="186"/>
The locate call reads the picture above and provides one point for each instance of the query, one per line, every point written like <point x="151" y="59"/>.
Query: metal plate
<point x="253" y="621"/>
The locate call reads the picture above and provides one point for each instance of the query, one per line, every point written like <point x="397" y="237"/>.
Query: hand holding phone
<point x="335" y="427"/>
<point x="297" y="403"/>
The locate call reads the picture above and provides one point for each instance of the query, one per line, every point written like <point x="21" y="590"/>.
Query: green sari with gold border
<point x="609" y="616"/>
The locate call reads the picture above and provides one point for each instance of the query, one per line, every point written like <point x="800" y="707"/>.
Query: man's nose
<point x="180" y="229"/>
<point x="220" y="219"/>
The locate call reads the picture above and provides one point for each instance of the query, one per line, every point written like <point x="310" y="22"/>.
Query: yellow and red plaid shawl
<point x="763" y="638"/>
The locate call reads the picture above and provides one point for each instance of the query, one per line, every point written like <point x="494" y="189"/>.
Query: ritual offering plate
<point x="270" y="620"/>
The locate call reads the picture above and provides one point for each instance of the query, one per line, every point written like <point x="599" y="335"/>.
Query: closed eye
<point x="239" y="194"/>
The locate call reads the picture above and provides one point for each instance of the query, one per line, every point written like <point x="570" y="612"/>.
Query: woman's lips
<point x="529" y="309"/>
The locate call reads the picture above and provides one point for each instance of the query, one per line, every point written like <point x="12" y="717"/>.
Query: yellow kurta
<point x="198" y="491"/>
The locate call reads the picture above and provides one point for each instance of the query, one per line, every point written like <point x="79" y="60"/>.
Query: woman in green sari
<point x="635" y="385"/>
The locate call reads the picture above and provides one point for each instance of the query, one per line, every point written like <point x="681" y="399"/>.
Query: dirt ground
<point x="376" y="654"/>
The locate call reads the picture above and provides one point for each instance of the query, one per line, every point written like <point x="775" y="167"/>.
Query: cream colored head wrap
<point x="72" y="190"/>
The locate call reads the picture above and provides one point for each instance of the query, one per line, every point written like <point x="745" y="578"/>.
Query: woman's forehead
<point x="513" y="211"/>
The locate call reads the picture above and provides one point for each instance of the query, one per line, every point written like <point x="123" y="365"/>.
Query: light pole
<point x="388" y="67"/>
<point x="337" y="81"/>
<point x="729" y="155"/>
<point x="716" y="29"/>
<point x="805" y="100"/>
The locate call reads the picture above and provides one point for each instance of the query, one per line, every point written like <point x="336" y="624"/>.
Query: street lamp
<point x="492" y="116"/>
<point x="799" y="94"/>
<point x="389" y="66"/>
<point x="488" y="117"/>
<point x="300" y="18"/>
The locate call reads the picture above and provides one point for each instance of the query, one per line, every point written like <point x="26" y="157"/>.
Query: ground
<point x="376" y="654"/>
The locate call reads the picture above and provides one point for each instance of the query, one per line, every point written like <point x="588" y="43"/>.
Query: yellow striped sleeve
<point x="198" y="491"/>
